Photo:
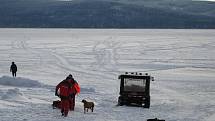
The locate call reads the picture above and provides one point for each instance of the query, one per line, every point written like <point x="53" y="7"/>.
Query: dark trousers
<point x="72" y="103"/>
<point x="64" y="107"/>
<point x="14" y="74"/>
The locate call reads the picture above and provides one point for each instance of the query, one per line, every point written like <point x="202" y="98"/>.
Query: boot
<point x="62" y="112"/>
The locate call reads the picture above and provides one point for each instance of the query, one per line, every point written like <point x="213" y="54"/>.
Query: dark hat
<point x="69" y="77"/>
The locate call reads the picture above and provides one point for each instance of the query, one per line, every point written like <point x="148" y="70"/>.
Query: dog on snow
<point x="88" y="105"/>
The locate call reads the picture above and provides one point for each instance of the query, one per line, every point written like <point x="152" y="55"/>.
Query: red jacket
<point x="63" y="89"/>
<point x="75" y="87"/>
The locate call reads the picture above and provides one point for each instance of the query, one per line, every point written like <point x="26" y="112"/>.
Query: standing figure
<point x="13" y="69"/>
<point x="75" y="88"/>
<point x="62" y="90"/>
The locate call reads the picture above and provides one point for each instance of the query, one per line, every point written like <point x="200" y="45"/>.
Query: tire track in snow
<point x="66" y="65"/>
<point x="106" y="56"/>
<point x="63" y="62"/>
<point x="210" y="118"/>
<point x="21" y="44"/>
<point x="176" y="95"/>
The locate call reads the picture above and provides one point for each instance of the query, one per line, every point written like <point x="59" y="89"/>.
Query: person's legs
<point x="62" y="107"/>
<point x="13" y="74"/>
<point x="65" y="107"/>
<point x="71" y="104"/>
<point x="62" y="111"/>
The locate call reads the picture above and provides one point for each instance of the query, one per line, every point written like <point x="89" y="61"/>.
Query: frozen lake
<point x="182" y="62"/>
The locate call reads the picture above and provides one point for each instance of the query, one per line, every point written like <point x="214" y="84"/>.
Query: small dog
<point x="88" y="105"/>
<point x="56" y="104"/>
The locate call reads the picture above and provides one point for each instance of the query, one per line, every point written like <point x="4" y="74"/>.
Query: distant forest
<point x="98" y="14"/>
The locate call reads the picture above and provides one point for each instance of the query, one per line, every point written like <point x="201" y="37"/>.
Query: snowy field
<point x="182" y="62"/>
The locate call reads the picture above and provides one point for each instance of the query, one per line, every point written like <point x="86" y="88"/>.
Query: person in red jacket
<point x="63" y="90"/>
<point x="74" y="90"/>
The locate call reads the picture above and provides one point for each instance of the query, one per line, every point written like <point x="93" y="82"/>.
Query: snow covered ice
<point x="182" y="62"/>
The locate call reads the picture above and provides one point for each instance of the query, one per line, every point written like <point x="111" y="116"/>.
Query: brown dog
<point x="88" y="105"/>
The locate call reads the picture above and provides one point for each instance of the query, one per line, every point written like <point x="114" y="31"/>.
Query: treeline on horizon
<point x="95" y="14"/>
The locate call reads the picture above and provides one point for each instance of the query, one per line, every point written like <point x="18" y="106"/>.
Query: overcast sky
<point x="207" y="0"/>
<point x="204" y="0"/>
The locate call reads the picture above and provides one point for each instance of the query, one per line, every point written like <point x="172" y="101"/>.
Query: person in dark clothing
<point x="13" y="69"/>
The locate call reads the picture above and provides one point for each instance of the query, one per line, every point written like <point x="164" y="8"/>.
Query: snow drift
<point x="19" y="82"/>
<point x="13" y="94"/>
